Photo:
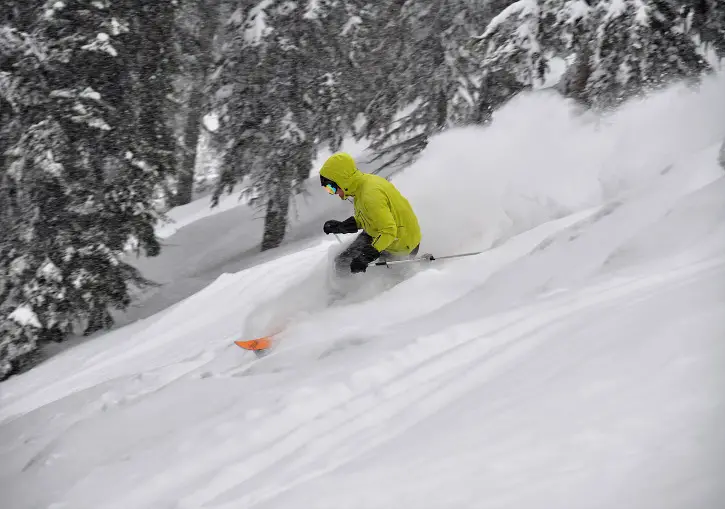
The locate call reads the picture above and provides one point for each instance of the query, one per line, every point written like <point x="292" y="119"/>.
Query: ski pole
<point x="338" y="238"/>
<point x="424" y="258"/>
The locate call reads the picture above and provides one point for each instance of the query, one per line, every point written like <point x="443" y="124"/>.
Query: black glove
<point x="349" y="225"/>
<point x="361" y="261"/>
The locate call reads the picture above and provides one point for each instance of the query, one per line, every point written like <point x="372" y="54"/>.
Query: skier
<point x="390" y="227"/>
<point x="390" y="231"/>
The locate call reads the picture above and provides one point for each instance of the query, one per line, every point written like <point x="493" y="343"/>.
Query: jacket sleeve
<point x="382" y="220"/>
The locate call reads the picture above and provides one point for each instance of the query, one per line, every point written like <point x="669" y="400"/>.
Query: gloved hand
<point x="347" y="226"/>
<point x="361" y="261"/>
<point x="332" y="226"/>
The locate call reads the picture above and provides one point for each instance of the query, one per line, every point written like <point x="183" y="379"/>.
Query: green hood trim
<point x="341" y="169"/>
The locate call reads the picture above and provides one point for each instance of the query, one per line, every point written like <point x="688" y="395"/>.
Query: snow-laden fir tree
<point x="519" y="43"/>
<point x="423" y="80"/>
<point x="82" y="152"/>
<point x="616" y="48"/>
<point x="282" y="93"/>
<point x="637" y="46"/>
<point x="706" y="18"/>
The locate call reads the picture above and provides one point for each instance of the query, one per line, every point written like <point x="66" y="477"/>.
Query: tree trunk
<point x="494" y="92"/>
<point x="275" y="220"/>
<point x="99" y="319"/>
<point x="185" y="184"/>
<point x="576" y="78"/>
<point x="209" y="20"/>
<point x="441" y="111"/>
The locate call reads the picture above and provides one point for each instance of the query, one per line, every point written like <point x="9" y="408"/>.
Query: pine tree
<point x="151" y="61"/>
<point x="287" y="96"/>
<point x="516" y="40"/>
<point x="620" y="48"/>
<point x="707" y="19"/>
<point x="636" y="47"/>
<point x="81" y="164"/>
<point x="521" y="40"/>
<point x="424" y="81"/>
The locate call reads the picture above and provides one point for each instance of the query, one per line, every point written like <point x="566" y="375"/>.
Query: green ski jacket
<point x="380" y="209"/>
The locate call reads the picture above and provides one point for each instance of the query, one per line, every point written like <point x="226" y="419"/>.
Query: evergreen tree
<point x="636" y="47"/>
<point x="151" y="62"/>
<point x="423" y="78"/>
<point x="521" y="40"/>
<point x="707" y="19"/>
<point x="83" y="152"/>
<point x="287" y="95"/>
<point x="620" y="48"/>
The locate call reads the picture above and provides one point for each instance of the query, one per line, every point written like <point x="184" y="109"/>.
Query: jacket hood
<point x="341" y="169"/>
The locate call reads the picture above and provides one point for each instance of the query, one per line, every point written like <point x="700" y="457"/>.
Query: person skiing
<point x="390" y="227"/>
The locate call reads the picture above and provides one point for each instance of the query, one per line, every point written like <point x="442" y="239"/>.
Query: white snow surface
<point x="576" y="363"/>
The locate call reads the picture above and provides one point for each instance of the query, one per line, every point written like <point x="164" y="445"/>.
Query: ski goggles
<point x="331" y="189"/>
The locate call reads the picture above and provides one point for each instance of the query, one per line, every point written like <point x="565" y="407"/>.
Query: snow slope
<point x="200" y="243"/>
<point x="576" y="363"/>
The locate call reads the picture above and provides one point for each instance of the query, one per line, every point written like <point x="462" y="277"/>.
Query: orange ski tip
<point x="255" y="344"/>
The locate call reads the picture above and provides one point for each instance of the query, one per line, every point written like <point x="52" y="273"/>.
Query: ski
<point x="260" y="346"/>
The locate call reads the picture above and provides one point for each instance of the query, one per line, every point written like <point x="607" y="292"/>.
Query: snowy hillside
<point x="576" y="363"/>
<point x="201" y="243"/>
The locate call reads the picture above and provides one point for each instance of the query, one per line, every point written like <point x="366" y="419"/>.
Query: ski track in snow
<point x="337" y="397"/>
<point x="399" y="392"/>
